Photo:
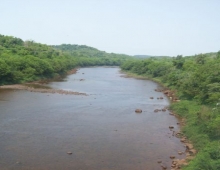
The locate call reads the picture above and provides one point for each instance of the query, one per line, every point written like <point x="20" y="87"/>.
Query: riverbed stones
<point x="180" y="153"/>
<point x="73" y="71"/>
<point x="171" y="127"/>
<point x="151" y="97"/>
<point x="172" y="157"/>
<point x="158" y="90"/>
<point x="166" y="92"/>
<point x="192" y="151"/>
<point x="173" y="166"/>
<point x="176" y="164"/>
<point x="183" y="140"/>
<point x="189" y="146"/>
<point x="138" y="111"/>
<point x="178" y="134"/>
<point x="171" y="95"/>
<point x="164" y="167"/>
<point x="69" y="153"/>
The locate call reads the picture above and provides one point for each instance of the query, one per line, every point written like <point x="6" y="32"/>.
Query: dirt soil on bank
<point x="38" y="86"/>
<point x="40" y="90"/>
<point x="190" y="152"/>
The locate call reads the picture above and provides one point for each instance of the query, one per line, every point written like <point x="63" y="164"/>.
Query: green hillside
<point x="90" y="56"/>
<point x="23" y="61"/>
<point x="86" y="51"/>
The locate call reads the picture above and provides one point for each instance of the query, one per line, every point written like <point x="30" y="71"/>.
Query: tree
<point x="178" y="61"/>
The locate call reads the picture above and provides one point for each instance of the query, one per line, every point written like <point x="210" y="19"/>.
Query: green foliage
<point x="4" y="69"/>
<point x="178" y="61"/>
<point x="89" y="56"/>
<point x="218" y="55"/>
<point x="207" y="159"/>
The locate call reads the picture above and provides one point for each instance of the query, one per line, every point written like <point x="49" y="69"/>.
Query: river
<point x="101" y="130"/>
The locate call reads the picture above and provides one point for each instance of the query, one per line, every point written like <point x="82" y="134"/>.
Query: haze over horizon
<point x="141" y="27"/>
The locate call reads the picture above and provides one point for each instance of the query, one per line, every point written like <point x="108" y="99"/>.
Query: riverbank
<point x="28" y="87"/>
<point x="39" y="86"/>
<point x="190" y="151"/>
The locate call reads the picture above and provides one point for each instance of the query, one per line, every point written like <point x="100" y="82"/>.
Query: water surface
<point x="102" y="130"/>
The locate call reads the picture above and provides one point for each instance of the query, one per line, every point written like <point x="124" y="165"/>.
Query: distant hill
<point x="85" y="51"/>
<point x="149" y="56"/>
<point x="210" y="54"/>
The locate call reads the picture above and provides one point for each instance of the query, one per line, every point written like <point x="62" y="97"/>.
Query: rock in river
<point x="138" y="111"/>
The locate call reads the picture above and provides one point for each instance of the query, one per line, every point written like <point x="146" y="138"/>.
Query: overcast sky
<point x="151" y="27"/>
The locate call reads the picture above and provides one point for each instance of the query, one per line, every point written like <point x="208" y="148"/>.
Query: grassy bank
<point x="199" y="105"/>
<point x="202" y="130"/>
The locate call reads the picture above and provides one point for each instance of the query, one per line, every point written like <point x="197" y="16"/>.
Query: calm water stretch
<point x="101" y="130"/>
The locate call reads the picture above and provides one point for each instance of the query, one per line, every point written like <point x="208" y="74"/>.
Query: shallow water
<point x="102" y="130"/>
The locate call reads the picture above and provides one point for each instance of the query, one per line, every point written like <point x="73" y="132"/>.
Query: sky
<point x="133" y="27"/>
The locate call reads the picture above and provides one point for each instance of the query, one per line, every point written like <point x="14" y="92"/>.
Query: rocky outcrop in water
<point x="138" y="111"/>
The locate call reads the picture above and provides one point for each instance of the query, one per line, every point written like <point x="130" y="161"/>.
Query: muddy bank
<point x="190" y="152"/>
<point x="57" y="78"/>
<point x="32" y="88"/>
<point x="38" y="86"/>
<point x="73" y="71"/>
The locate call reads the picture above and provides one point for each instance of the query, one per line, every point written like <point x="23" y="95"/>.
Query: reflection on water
<point x="102" y="130"/>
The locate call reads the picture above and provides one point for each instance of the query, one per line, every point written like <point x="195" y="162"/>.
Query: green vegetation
<point x="23" y="61"/>
<point x="196" y="79"/>
<point x="89" y="56"/>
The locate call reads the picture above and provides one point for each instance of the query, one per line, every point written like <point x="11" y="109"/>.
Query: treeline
<point x="196" y="79"/>
<point x="23" y="61"/>
<point x="89" y="56"/>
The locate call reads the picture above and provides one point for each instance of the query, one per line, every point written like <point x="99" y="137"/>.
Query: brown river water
<point x="101" y="130"/>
